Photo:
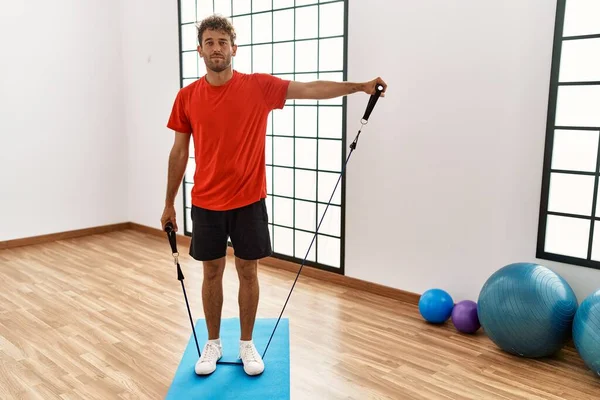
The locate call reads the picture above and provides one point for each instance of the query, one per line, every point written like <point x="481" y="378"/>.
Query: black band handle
<point x="173" y="242"/>
<point x="171" y="236"/>
<point x="372" y="101"/>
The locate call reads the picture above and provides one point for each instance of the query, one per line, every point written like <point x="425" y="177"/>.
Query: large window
<point x="569" y="230"/>
<point x="302" y="40"/>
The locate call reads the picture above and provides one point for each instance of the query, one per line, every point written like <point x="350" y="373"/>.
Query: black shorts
<point x="247" y="227"/>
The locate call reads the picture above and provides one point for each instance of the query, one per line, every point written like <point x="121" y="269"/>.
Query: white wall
<point x="444" y="187"/>
<point x="151" y="48"/>
<point x="62" y="164"/>
<point x="458" y="139"/>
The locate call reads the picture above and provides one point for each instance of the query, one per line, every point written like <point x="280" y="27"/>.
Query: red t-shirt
<point x="228" y="124"/>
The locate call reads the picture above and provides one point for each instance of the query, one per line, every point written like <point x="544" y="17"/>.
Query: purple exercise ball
<point x="464" y="316"/>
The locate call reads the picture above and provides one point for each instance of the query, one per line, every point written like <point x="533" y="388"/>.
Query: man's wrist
<point x="361" y="87"/>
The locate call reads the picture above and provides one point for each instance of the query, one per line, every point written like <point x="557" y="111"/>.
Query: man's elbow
<point x="178" y="153"/>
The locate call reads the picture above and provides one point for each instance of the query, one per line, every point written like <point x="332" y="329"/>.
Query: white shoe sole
<point x="252" y="373"/>
<point x="206" y="373"/>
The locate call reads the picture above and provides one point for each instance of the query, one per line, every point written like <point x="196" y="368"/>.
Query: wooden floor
<point x="103" y="317"/>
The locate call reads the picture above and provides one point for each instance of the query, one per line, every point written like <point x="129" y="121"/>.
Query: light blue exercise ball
<point x="586" y="331"/>
<point x="527" y="310"/>
<point x="435" y="306"/>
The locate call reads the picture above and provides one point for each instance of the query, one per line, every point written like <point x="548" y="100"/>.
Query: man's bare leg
<point x="212" y="295"/>
<point x="247" y="296"/>
<point x="212" y="301"/>
<point x="248" y="303"/>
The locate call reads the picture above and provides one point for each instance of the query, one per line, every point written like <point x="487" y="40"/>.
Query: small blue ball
<point x="435" y="306"/>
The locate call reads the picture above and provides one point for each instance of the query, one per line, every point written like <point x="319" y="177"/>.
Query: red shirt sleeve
<point x="179" y="121"/>
<point x="274" y="89"/>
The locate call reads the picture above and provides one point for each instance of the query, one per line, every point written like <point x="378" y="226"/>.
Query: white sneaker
<point x="253" y="363"/>
<point x="207" y="363"/>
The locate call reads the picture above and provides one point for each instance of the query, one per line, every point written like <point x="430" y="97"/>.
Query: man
<point x="226" y="113"/>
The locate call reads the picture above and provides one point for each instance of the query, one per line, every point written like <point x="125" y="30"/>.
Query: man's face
<point x="216" y="49"/>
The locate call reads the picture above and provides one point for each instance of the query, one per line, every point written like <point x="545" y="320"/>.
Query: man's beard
<point x="219" y="64"/>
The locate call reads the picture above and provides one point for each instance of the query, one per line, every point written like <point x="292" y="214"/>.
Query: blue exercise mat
<point x="230" y="381"/>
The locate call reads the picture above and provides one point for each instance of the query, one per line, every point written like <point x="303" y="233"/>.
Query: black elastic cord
<point x="173" y="241"/>
<point x="372" y="101"/>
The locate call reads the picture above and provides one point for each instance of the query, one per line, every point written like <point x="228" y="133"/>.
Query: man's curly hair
<point x="216" y="23"/>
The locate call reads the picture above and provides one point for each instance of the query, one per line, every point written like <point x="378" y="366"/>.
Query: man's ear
<point x="234" y="49"/>
<point x="199" y="48"/>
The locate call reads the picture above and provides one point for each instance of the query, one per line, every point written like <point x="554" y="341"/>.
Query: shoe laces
<point x="210" y="353"/>
<point x="248" y="353"/>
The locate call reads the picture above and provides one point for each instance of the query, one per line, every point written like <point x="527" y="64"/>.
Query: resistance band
<point x="173" y="241"/>
<point x="365" y="119"/>
<point x="172" y="237"/>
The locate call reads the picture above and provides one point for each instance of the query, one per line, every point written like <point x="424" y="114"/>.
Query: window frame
<point x="344" y="144"/>
<point x="551" y="127"/>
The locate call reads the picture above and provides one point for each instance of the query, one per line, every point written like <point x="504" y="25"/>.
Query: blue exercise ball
<point x="527" y="310"/>
<point x="435" y="306"/>
<point x="586" y="331"/>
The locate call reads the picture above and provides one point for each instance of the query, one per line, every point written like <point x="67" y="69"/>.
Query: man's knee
<point x="213" y="270"/>
<point x="247" y="270"/>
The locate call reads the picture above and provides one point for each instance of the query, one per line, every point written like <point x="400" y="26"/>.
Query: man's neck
<point x="219" y="78"/>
